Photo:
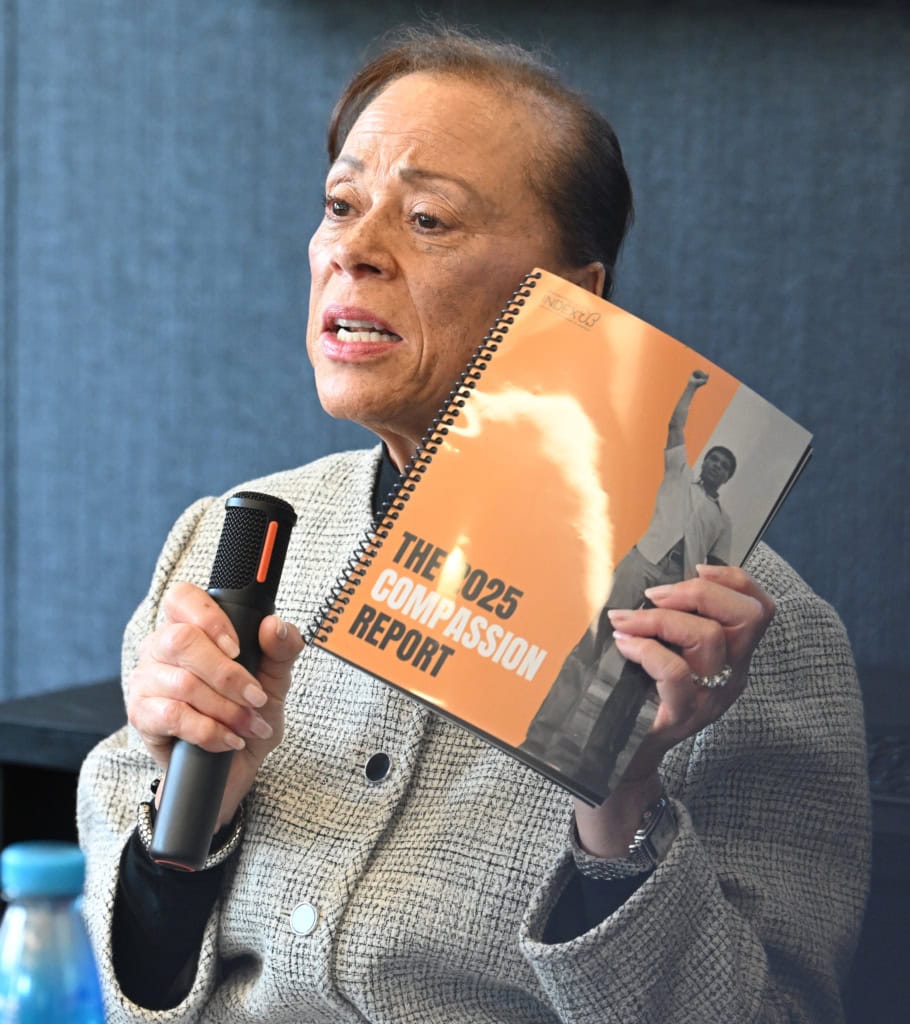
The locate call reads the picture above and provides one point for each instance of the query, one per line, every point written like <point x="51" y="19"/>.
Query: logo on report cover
<point x="581" y="317"/>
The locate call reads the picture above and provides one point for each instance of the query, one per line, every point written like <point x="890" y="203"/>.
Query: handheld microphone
<point x="244" y="581"/>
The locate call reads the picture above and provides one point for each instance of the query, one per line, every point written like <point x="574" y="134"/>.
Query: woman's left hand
<point x="712" y="621"/>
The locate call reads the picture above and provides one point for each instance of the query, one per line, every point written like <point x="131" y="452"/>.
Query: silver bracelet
<point x="145" y="827"/>
<point x="653" y="839"/>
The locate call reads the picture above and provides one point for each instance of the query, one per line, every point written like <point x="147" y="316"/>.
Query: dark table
<point x="43" y="741"/>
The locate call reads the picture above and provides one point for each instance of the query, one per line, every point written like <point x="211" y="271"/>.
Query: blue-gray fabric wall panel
<point x="8" y="374"/>
<point x="162" y="169"/>
<point x="165" y="202"/>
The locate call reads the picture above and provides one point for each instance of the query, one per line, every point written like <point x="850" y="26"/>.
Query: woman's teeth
<point x="361" y="330"/>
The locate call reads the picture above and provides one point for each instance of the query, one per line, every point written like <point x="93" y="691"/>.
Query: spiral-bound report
<point x="582" y="456"/>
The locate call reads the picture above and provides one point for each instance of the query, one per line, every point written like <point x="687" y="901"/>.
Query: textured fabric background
<point x="161" y="174"/>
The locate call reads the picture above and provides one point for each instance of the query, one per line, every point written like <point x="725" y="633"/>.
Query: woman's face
<point x="430" y="223"/>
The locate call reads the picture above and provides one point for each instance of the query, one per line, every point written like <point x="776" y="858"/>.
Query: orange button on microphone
<point x="267" y="549"/>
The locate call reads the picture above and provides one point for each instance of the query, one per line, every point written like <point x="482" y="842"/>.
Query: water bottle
<point x="48" y="973"/>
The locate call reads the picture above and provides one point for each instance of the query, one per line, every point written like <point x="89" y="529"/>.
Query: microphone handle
<point x="195" y="780"/>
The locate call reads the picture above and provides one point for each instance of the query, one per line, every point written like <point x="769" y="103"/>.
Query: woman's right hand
<point x="187" y="686"/>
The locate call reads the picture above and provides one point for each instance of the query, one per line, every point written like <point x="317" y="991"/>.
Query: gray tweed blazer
<point x="431" y="890"/>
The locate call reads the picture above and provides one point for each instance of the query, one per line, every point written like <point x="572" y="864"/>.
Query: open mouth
<point x="360" y="331"/>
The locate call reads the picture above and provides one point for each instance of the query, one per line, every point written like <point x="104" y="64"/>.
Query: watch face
<point x="661" y="831"/>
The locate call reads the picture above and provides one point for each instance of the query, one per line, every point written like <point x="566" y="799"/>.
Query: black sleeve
<point x="159" y="919"/>
<point x="585" y="902"/>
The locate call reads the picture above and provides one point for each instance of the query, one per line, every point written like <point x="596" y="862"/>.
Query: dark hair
<point x="582" y="180"/>
<point x="724" y="451"/>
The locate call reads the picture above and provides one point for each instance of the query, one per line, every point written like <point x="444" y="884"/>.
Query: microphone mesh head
<point x="239" y="549"/>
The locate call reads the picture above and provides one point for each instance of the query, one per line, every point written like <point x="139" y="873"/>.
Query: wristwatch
<point x="648" y="848"/>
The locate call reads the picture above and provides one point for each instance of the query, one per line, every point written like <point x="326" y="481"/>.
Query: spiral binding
<point x="332" y="608"/>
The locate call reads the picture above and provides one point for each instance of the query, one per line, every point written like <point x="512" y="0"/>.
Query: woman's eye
<point x="426" y="221"/>
<point x="336" y="207"/>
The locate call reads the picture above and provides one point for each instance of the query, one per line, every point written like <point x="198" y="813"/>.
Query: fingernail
<point x="619" y="635"/>
<point x="659" y="592"/>
<point x="255" y="695"/>
<point x="281" y="628"/>
<point x="232" y="740"/>
<point x="229" y="645"/>
<point x="618" y="615"/>
<point x="260" y="727"/>
<point x="708" y="570"/>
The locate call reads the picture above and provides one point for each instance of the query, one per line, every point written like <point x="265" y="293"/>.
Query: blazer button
<point x="304" y="918"/>
<point x="377" y="768"/>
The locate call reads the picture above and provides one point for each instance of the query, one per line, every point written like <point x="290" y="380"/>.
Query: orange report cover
<point x="584" y="456"/>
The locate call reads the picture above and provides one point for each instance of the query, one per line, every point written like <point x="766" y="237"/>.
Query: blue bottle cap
<point x="42" y="868"/>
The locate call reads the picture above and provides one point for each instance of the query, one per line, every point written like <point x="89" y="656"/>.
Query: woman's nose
<point x="362" y="247"/>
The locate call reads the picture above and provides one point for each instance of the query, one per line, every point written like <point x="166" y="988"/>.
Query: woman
<point x="389" y="866"/>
